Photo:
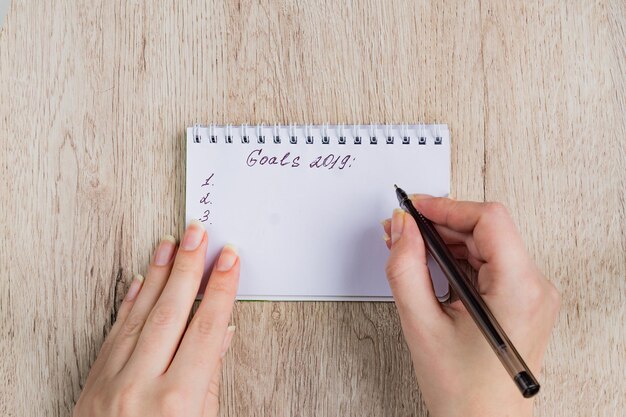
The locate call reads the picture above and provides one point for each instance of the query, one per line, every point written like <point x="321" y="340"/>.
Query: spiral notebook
<point x="303" y="203"/>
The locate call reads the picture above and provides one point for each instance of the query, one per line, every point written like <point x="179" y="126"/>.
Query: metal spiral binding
<point x="357" y="139"/>
<point x="373" y="139"/>
<point x="212" y="137"/>
<point x="196" y="137"/>
<point x="388" y="138"/>
<point x="406" y="139"/>
<point x="438" y="138"/>
<point x="259" y="137"/>
<point x="324" y="133"/>
<point x="229" y="136"/>
<point x="276" y="138"/>
<point x="293" y="139"/>
<point x="244" y="134"/>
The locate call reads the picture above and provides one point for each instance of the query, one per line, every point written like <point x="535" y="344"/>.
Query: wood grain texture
<point x="94" y="100"/>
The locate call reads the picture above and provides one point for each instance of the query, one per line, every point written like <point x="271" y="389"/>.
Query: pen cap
<point x="526" y="384"/>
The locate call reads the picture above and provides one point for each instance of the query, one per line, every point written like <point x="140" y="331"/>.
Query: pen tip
<point x="395" y="185"/>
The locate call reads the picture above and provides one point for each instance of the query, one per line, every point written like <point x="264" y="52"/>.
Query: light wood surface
<point x="94" y="101"/>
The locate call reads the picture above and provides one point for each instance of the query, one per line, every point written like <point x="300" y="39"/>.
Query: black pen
<point x="473" y="302"/>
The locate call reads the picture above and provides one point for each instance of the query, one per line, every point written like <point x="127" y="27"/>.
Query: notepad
<point x="303" y="204"/>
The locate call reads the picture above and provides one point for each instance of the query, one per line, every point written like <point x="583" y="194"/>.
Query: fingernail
<point x="384" y="222"/>
<point x="230" y="332"/>
<point x="419" y="196"/>
<point x="227" y="258"/>
<point x="397" y="224"/>
<point x="193" y="235"/>
<point x="386" y="237"/>
<point x="165" y="251"/>
<point x="135" y="286"/>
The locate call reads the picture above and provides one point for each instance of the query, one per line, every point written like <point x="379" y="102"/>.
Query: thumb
<point x="408" y="274"/>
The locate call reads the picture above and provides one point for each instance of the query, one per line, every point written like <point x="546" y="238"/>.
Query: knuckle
<point x="186" y="264"/>
<point x="394" y="273"/>
<point x="393" y="270"/>
<point x="535" y="295"/>
<point x="204" y="326"/>
<point x="124" y="400"/>
<point x="132" y="326"/>
<point x="119" y="402"/>
<point x="496" y="209"/>
<point x="163" y="315"/>
<point x="542" y="296"/>
<point x="221" y="285"/>
<point x="173" y="401"/>
<point x="99" y="403"/>
<point x="398" y="265"/>
<point x="453" y="206"/>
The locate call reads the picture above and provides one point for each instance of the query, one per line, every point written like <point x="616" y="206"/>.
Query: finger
<point x="201" y="347"/>
<point x="386" y="226"/>
<point x="230" y="332"/>
<point x="211" y="403"/>
<point x="451" y="236"/>
<point x="387" y="234"/>
<point x="122" y="314"/>
<point x="408" y="274"/>
<point x="475" y="263"/>
<point x="166" y="322"/>
<point x="454" y="240"/>
<point x="461" y="216"/>
<point x="461" y="251"/>
<point x="158" y="271"/>
<point x="496" y="237"/>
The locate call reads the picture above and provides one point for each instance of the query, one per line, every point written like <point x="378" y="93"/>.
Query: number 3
<point x="205" y="217"/>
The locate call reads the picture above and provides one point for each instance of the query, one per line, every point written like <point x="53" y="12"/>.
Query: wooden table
<point x="94" y="101"/>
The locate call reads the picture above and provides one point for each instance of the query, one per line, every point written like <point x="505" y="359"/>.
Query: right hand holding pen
<point x="456" y="369"/>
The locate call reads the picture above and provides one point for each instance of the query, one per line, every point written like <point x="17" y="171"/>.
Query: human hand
<point x="152" y="363"/>
<point x="456" y="369"/>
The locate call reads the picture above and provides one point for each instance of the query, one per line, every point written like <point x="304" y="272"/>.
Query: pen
<point x="473" y="302"/>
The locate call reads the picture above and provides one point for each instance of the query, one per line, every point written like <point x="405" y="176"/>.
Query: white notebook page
<point x="305" y="217"/>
